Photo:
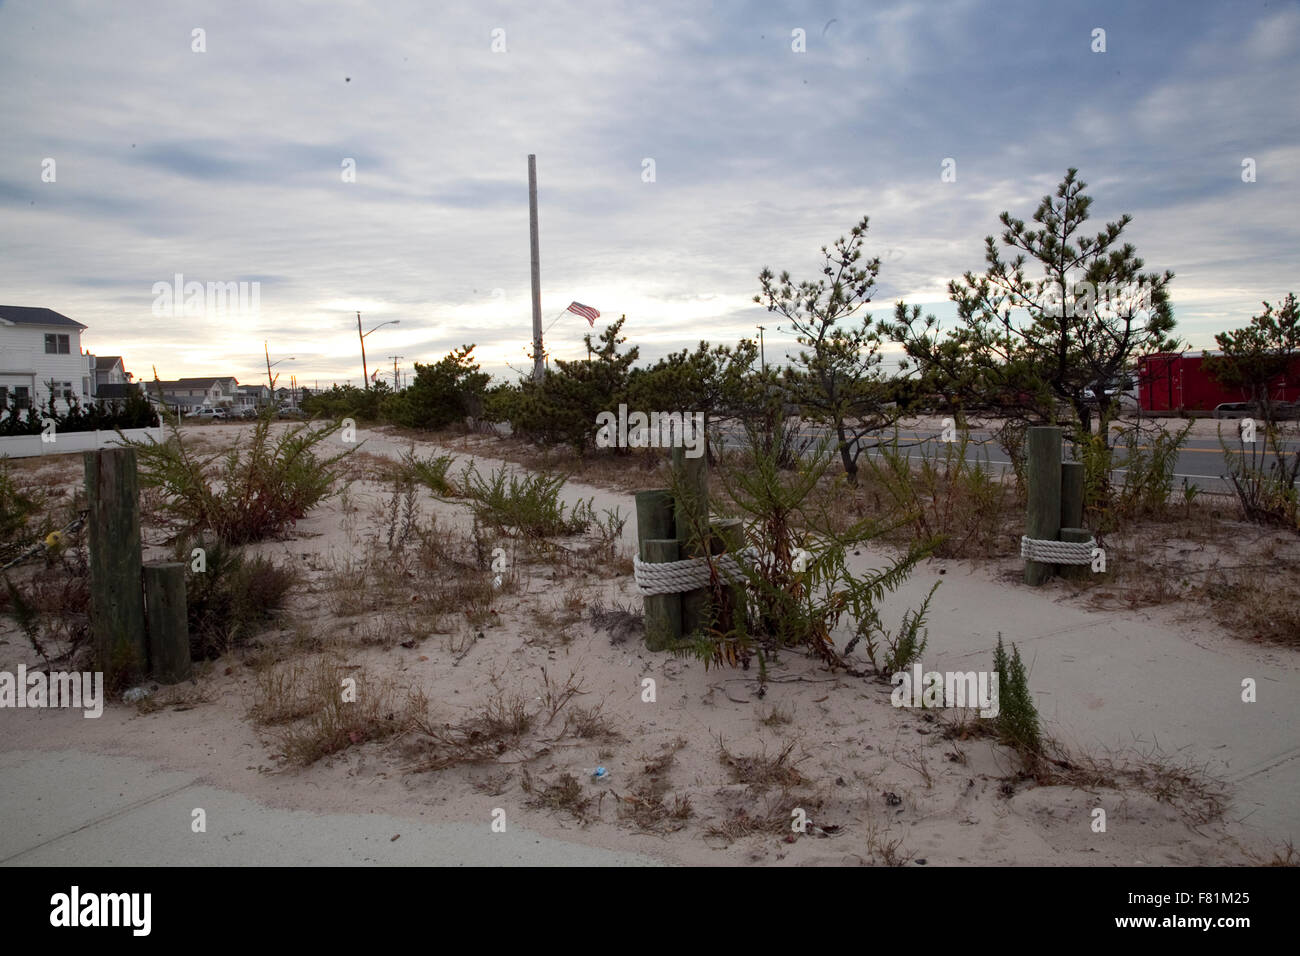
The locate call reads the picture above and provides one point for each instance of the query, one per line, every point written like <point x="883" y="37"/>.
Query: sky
<point x="372" y="157"/>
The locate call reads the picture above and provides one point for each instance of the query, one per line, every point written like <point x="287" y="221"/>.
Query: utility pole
<point x="270" y="382"/>
<point x="396" y="381"/>
<point x="761" y="353"/>
<point x="365" y="377"/>
<point x="365" y="373"/>
<point x="539" y="370"/>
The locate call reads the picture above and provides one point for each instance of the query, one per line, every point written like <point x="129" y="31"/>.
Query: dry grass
<point x="321" y="707"/>
<point x="1258" y="605"/>
<point x="619" y="622"/>
<point x="885" y="848"/>
<point x="563" y="794"/>
<point x="645" y="806"/>
<point x="775" y="716"/>
<point x="760" y="772"/>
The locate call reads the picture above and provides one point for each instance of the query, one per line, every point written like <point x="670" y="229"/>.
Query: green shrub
<point x="957" y="503"/>
<point x="562" y="407"/>
<point x="135" y="411"/>
<point x="430" y="472"/>
<point x="1263" y="475"/>
<point x="1017" y="719"/>
<point x="260" y="491"/>
<point x="527" y="505"/>
<point x="347" y="401"/>
<point x="444" y="393"/>
<point x="788" y="605"/>
<point x="16" y="510"/>
<point x="232" y="599"/>
<point x="1148" y="459"/>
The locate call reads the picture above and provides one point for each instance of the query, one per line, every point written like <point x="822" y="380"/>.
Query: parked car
<point x="210" y="412"/>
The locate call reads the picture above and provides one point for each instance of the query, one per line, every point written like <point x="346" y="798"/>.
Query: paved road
<point x="1200" y="461"/>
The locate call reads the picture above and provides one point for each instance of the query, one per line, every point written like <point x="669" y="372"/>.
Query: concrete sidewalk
<point x="67" y="808"/>
<point x="1126" y="680"/>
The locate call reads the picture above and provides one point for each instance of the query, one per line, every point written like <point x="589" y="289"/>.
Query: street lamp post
<point x="365" y="375"/>
<point x="270" y="382"/>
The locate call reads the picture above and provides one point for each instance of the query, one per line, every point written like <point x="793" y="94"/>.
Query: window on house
<point x="64" y="391"/>
<point x="22" y="396"/>
<point x="57" y="344"/>
<point x="4" y="397"/>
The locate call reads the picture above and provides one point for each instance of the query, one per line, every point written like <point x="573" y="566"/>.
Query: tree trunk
<point x="850" y="463"/>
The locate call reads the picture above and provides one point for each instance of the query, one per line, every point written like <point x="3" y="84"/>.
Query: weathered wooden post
<point x="116" y="599"/>
<point x="1075" y="572"/>
<point x="691" y="522"/>
<point x="1072" y="530"/>
<point x="1043" y="521"/>
<point x="663" y="612"/>
<point x="1072" y="494"/>
<point x="166" y="616"/>
<point x="654" y="516"/>
<point x="656" y="544"/>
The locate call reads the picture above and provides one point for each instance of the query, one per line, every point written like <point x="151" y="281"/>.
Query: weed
<point x="1017" y="719"/>
<point x="527" y="506"/>
<point x="759" y="771"/>
<point x="259" y="492"/>
<point x="323" y="708"/>
<point x="233" y="597"/>
<point x="562" y="794"/>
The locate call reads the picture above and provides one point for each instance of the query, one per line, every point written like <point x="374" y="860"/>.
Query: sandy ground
<point x="879" y="784"/>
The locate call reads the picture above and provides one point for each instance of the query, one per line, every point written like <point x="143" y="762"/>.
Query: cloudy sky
<point x="231" y="164"/>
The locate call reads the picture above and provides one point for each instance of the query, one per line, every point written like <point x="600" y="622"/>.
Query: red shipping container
<point x="1177" y="382"/>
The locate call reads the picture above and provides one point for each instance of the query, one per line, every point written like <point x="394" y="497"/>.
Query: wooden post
<point x="116" y="599"/>
<point x="729" y="535"/>
<point x="691" y="520"/>
<point x="1043" y="521"/>
<point x="166" y="617"/>
<point x="1071" y="507"/>
<point x="663" y="612"/>
<point x="1071" y="494"/>
<point x="1075" y="572"/>
<point x="654" y="517"/>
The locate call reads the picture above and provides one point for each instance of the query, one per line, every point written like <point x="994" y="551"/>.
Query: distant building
<point x="39" y="346"/>
<point x="110" y="371"/>
<point x="187" y="393"/>
<point x="252" y="396"/>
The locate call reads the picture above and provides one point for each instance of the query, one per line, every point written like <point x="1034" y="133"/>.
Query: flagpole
<point x="539" y="369"/>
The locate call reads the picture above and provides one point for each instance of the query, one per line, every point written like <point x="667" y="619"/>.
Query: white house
<point x="252" y="396"/>
<point x="110" y="371"/>
<point x="187" y="393"/>
<point x="39" y="346"/>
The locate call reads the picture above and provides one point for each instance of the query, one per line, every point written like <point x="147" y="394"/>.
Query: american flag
<point x="586" y="311"/>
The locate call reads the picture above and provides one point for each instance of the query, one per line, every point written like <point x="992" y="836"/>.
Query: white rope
<point x="1057" y="552"/>
<point x="678" y="577"/>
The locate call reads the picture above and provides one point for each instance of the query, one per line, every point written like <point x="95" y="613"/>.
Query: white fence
<point x="32" y="446"/>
